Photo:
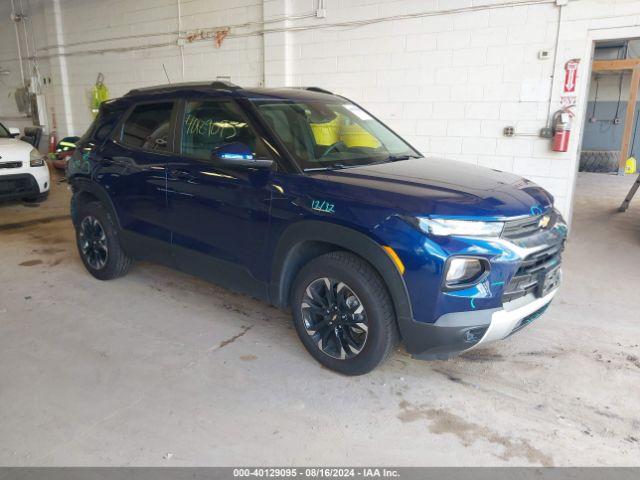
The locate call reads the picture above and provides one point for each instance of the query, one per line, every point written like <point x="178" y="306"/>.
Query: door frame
<point x="592" y="36"/>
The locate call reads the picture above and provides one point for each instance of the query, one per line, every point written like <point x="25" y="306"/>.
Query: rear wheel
<point x="343" y="313"/>
<point x="98" y="244"/>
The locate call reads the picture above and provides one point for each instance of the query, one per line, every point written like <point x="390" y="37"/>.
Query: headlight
<point x="35" y="158"/>
<point x="470" y="228"/>
<point x="464" y="271"/>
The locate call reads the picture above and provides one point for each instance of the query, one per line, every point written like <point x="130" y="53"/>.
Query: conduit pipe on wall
<point x="288" y="28"/>
<point x="26" y="36"/>
<point x="163" y="34"/>
<point x="180" y="41"/>
<point x="553" y="65"/>
<point x="14" y="19"/>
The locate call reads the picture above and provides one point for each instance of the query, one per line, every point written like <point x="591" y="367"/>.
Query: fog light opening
<point x="474" y="335"/>
<point x="463" y="272"/>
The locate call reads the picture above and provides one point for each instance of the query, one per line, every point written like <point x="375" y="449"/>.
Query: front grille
<point x="524" y="227"/>
<point x="11" y="165"/>
<point x="531" y="273"/>
<point x="17" y="184"/>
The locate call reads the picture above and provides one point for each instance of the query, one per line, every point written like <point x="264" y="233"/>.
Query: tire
<point x="599" y="161"/>
<point x="37" y="198"/>
<point x="362" y="349"/>
<point x="98" y="243"/>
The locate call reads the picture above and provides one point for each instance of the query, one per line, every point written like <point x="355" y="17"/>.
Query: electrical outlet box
<point x="546" y="132"/>
<point x="544" y="55"/>
<point x="509" y="131"/>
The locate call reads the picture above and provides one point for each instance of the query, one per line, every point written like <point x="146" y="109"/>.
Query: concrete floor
<point x="159" y="368"/>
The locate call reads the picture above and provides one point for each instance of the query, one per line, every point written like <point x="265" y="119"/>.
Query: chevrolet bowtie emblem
<point x="544" y="221"/>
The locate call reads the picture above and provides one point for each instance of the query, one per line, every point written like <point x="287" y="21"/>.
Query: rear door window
<point x="148" y="127"/>
<point x="209" y="124"/>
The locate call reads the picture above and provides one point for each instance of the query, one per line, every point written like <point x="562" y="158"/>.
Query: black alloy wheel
<point x="335" y="318"/>
<point x="343" y="313"/>
<point x="93" y="242"/>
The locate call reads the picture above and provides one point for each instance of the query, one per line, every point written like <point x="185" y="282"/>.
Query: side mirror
<point x="14" y="132"/>
<point x="237" y="154"/>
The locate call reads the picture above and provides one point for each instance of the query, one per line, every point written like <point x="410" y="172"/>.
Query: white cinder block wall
<point x="448" y="75"/>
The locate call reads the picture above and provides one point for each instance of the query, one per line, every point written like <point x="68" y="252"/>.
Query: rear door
<point x="134" y="172"/>
<point x="219" y="215"/>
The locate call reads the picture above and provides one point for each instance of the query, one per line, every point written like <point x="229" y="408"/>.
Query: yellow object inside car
<point x="334" y="131"/>
<point x="327" y="133"/>
<point x="355" y="136"/>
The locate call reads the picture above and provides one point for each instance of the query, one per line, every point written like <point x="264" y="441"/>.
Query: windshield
<point x="323" y="135"/>
<point x="4" y="133"/>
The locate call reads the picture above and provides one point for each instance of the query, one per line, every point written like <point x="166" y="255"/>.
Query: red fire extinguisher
<point x="561" y="130"/>
<point x="53" y="141"/>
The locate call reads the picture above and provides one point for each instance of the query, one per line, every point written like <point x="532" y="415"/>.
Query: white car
<point x="24" y="173"/>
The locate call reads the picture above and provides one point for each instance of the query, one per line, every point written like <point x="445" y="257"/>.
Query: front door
<point x="219" y="215"/>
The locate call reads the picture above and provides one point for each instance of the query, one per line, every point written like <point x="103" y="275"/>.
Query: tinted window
<point x="4" y="133"/>
<point x="209" y="124"/>
<point x="149" y="127"/>
<point x="108" y="120"/>
<point x="103" y="124"/>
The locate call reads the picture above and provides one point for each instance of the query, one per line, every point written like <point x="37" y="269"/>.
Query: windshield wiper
<point x="339" y="166"/>
<point x="395" y="158"/>
<point x="334" y="166"/>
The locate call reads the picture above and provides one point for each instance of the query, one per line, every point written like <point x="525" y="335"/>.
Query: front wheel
<point x="41" y="197"/>
<point x="343" y="313"/>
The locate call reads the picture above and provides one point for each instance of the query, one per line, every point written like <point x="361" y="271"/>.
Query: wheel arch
<point x="306" y="240"/>
<point x="85" y="191"/>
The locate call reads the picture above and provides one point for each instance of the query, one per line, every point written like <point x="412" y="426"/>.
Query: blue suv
<point x="303" y="199"/>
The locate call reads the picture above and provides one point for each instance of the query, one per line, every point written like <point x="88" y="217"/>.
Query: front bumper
<point x="20" y="180"/>
<point x="513" y="318"/>
<point x="458" y="332"/>
<point x="21" y="185"/>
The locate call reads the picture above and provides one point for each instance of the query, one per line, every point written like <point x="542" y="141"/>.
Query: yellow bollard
<point x="630" y="166"/>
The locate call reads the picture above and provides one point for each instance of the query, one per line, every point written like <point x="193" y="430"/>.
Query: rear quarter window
<point x="103" y="124"/>
<point x="148" y="127"/>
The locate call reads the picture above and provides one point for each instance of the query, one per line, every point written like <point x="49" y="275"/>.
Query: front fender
<point x="292" y="243"/>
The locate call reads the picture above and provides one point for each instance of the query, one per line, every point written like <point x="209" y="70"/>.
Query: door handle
<point x="111" y="162"/>
<point x="180" y="173"/>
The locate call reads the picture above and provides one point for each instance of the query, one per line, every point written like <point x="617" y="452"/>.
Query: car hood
<point x="439" y="187"/>
<point x="14" y="150"/>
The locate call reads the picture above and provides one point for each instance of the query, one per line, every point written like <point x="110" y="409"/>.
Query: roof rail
<point x="225" y="85"/>
<point x="217" y="84"/>
<point x="317" y="89"/>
